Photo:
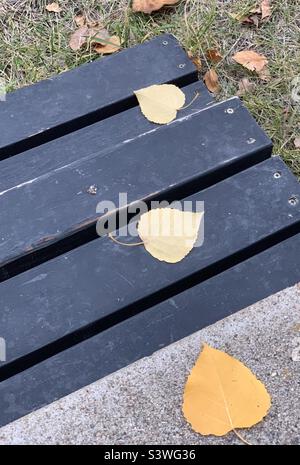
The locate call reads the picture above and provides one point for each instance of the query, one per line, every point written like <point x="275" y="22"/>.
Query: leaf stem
<point x="192" y="101"/>
<point x="123" y="243"/>
<point x="241" y="438"/>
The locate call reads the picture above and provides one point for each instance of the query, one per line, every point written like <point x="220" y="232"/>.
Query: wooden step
<point x="76" y="306"/>
<point x="51" y="203"/>
<point x="104" y="283"/>
<point x="236" y="288"/>
<point x="36" y="114"/>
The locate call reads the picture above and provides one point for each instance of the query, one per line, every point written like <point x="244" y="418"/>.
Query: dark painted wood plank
<point x="77" y="294"/>
<point x="101" y="137"/>
<point x="47" y="208"/>
<point x="140" y="336"/>
<point x="46" y="110"/>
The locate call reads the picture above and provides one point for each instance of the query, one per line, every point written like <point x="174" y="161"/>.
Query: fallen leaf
<point x="254" y="15"/>
<point x="297" y="142"/>
<point x="265" y="9"/>
<point x="99" y="35"/>
<point x="212" y="81"/>
<point x="147" y="6"/>
<point x="255" y="19"/>
<point x="79" y="38"/>
<point x="80" y="20"/>
<point x="169" y="234"/>
<point x="285" y="113"/>
<point x="213" y="55"/>
<point x="195" y="59"/>
<point x="110" y="45"/>
<point x="264" y="74"/>
<point x="245" y="86"/>
<point x="222" y="394"/>
<point x="53" y="8"/>
<point x="159" y="103"/>
<point x="241" y="17"/>
<point x="251" y="60"/>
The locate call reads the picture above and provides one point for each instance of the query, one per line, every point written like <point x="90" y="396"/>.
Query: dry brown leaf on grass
<point x="80" y="20"/>
<point x="222" y="394"/>
<point x="297" y="142"/>
<point x="254" y="15"/>
<point x="169" y="234"/>
<point x="53" y="8"/>
<point x="102" y="42"/>
<point x="159" y="103"/>
<point x="213" y="55"/>
<point x="110" y="45"/>
<point x="265" y="9"/>
<point x="212" y="81"/>
<point x="253" y="61"/>
<point x="79" y="38"/>
<point x="147" y="6"/>
<point x="98" y="35"/>
<point x="245" y="86"/>
<point x="264" y="74"/>
<point x="195" y="59"/>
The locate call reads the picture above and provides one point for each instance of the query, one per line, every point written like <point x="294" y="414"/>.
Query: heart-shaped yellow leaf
<point x="222" y="394"/>
<point x="159" y="103"/>
<point x="169" y="234"/>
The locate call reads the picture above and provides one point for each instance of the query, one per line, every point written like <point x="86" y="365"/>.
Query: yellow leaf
<point x="159" y="103"/>
<point x="110" y="45"/>
<point x="147" y="6"/>
<point x="251" y="60"/>
<point x="222" y="394"/>
<point x="169" y="234"/>
<point x="212" y="81"/>
<point x="53" y="8"/>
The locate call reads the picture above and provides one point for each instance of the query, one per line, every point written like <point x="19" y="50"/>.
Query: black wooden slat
<point x="198" y="148"/>
<point x="140" y="336"/>
<point x="35" y="114"/>
<point x="101" y="137"/>
<point x="97" y="285"/>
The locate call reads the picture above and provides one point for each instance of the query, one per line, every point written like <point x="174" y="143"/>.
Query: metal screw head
<point x="92" y="190"/>
<point x="182" y="65"/>
<point x="165" y="42"/>
<point x="277" y="174"/>
<point x="293" y="200"/>
<point x="230" y="111"/>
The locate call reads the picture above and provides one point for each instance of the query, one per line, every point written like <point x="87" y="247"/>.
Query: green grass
<point x="34" y="45"/>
